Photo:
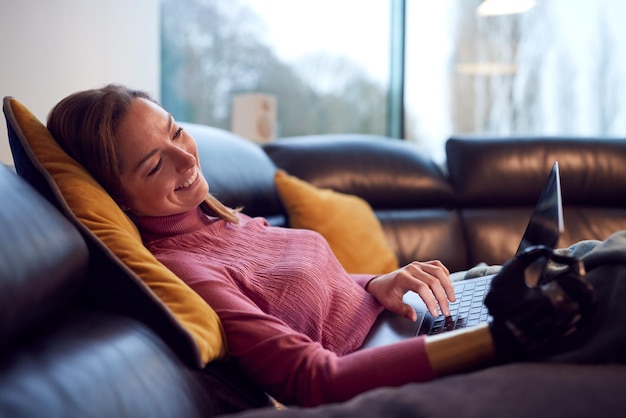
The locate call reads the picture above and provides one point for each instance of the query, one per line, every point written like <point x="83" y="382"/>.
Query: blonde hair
<point x="84" y="124"/>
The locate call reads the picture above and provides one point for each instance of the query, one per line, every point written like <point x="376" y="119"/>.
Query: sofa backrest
<point x="497" y="182"/>
<point x="408" y="191"/>
<point x="472" y="208"/>
<point x="43" y="260"/>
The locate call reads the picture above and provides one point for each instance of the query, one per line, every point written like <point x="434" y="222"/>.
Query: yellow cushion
<point x="347" y="222"/>
<point x="87" y="204"/>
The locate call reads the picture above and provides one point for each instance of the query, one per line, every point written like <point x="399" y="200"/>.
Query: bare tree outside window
<point x="213" y="49"/>
<point x="557" y="69"/>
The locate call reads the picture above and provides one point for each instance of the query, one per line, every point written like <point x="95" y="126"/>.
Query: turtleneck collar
<point x="158" y="227"/>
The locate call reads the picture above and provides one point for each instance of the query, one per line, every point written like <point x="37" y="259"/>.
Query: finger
<point x="437" y="290"/>
<point x="448" y="288"/>
<point x="428" y="279"/>
<point x="438" y="270"/>
<point x="429" y="300"/>
<point x="408" y="312"/>
<point x="395" y="304"/>
<point x="429" y="288"/>
<point x="439" y="264"/>
<point x="442" y="299"/>
<point x="443" y="274"/>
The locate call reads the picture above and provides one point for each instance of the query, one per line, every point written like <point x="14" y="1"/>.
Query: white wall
<point x="52" y="48"/>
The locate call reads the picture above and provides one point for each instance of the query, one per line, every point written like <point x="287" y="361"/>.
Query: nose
<point x="184" y="159"/>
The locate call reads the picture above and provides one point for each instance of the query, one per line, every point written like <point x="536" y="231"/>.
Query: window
<point x="326" y="61"/>
<point x="558" y="68"/>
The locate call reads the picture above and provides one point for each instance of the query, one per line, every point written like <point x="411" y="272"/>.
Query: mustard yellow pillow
<point x="90" y="207"/>
<point x="347" y="222"/>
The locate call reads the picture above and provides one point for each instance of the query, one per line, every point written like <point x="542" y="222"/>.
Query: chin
<point x="204" y="191"/>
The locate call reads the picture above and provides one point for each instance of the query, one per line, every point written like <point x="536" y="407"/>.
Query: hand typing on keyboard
<point x="530" y="318"/>
<point x="429" y="279"/>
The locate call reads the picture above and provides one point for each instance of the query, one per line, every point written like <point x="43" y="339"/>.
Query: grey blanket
<point x="603" y="338"/>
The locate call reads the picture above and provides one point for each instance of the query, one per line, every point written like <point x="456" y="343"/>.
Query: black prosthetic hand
<point x="529" y="318"/>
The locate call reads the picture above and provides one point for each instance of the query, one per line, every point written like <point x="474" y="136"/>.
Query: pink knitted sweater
<point x="294" y="319"/>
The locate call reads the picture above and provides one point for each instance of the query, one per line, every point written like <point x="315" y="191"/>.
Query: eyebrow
<point x="149" y="155"/>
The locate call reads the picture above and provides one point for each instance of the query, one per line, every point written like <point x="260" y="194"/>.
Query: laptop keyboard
<point x="467" y="311"/>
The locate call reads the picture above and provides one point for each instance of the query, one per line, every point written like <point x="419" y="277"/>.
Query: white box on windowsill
<point x="254" y="116"/>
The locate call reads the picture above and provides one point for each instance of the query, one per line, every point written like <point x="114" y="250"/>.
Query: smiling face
<point x="160" y="170"/>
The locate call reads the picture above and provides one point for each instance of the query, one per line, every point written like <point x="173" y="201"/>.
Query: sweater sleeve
<point x="296" y="370"/>
<point x="363" y="279"/>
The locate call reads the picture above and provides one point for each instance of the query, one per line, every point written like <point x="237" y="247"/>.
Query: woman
<point x="294" y="319"/>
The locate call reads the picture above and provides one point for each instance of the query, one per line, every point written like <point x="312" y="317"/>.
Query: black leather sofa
<point x="471" y="208"/>
<point x="68" y="348"/>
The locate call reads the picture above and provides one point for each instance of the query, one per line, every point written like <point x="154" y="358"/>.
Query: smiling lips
<point x="190" y="180"/>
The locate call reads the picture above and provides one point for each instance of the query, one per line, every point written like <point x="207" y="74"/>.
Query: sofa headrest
<point x="386" y="172"/>
<point x="512" y="171"/>
<point x="43" y="259"/>
<point x="239" y="173"/>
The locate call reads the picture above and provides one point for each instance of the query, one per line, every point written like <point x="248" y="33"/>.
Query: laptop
<point x="544" y="227"/>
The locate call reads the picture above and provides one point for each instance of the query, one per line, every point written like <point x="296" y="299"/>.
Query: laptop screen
<point x="546" y="222"/>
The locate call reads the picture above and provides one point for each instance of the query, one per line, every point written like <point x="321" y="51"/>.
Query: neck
<point x="158" y="227"/>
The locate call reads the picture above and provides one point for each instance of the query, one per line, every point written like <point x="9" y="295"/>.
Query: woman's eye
<point x="155" y="169"/>
<point x="178" y="132"/>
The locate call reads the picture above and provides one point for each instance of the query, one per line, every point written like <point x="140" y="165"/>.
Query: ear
<point x="121" y="201"/>
<point x="123" y="206"/>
